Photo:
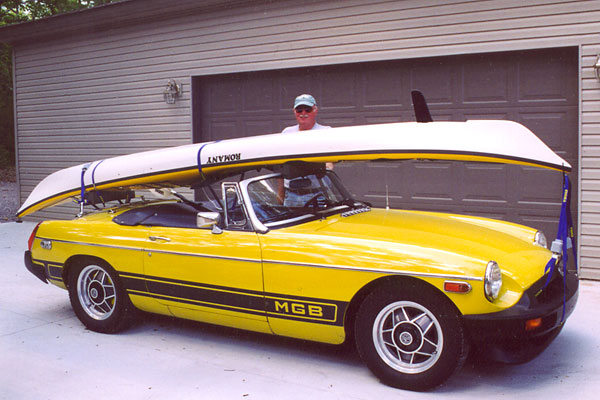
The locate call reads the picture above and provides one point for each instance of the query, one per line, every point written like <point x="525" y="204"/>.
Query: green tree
<point x="12" y="12"/>
<point x="6" y="108"/>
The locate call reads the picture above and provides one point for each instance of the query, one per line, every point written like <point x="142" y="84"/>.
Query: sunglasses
<point x="307" y="109"/>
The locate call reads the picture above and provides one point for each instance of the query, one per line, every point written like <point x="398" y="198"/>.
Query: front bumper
<point x="505" y="336"/>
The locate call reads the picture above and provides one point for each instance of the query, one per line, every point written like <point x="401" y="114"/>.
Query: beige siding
<point x="100" y="94"/>
<point x="590" y="160"/>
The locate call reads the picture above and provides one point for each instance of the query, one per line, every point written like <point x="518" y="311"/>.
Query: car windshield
<point x="277" y="201"/>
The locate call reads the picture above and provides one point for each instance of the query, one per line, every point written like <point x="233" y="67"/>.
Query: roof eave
<point x="107" y="16"/>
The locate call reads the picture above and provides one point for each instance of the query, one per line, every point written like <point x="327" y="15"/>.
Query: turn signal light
<point x="532" y="324"/>
<point x="457" y="287"/>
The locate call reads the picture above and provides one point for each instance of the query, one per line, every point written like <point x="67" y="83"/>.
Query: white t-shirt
<point x="292" y="129"/>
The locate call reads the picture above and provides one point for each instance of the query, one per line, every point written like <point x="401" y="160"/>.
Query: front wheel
<point x="98" y="298"/>
<point x="410" y="336"/>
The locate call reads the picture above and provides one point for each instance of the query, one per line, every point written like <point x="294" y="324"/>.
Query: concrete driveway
<point x="45" y="353"/>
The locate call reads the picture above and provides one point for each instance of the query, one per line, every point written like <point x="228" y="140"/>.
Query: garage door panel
<point x="339" y="90"/>
<point x="383" y="87"/>
<point x="224" y="98"/>
<point x="487" y="212"/>
<point x="484" y="114"/>
<point x="389" y="118"/>
<point x="437" y="80"/>
<point x="223" y="130"/>
<point x="486" y="81"/>
<point x="532" y="183"/>
<point x="260" y="127"/>
<point x="543" y="219"/>
<point x="424" y="205"/>
<point x="484" y="183"/>
<point x="431" y="181"/>
<point x="542" y="76"/>
<point x="443" y="116"/>
<point x="344" y="121"/>
<point x="258" y="94"/>
<point x="375" y="182"/>
<point x="538" y="218"/>
<point x="545" y="223"/>
<point x="381" y="200"/>
<point x="257" y="101"/>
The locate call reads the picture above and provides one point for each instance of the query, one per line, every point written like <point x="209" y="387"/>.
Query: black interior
<point x="177" y="215"/>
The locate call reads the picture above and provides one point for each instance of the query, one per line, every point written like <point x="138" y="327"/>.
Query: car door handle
<point x="156" y="238"/>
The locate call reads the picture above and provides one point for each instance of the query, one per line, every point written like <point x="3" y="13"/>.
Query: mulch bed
<point x="8" y="175"/>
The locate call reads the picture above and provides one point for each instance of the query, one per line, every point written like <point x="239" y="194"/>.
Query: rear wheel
<point x="98" y="298"/>
<point x="411" y="337"/>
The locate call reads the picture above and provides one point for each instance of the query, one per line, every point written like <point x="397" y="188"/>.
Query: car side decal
<point x="321" y="311"/>
<point x="272" y="305"/>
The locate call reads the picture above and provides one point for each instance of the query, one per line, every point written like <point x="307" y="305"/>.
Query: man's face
<point x="306" y="117"/>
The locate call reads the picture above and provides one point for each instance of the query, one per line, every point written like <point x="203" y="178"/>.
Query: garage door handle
<point x="155" y="238"/>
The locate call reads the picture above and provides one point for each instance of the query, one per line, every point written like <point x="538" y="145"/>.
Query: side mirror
<point x="208" y="220"/>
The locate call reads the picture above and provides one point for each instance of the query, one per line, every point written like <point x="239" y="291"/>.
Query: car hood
<point x="435" y="243"/>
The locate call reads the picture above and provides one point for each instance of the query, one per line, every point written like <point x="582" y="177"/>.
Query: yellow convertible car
<point x="291" y="253"/>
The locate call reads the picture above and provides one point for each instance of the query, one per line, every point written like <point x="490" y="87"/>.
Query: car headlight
<point x="492" y="282"/>
<point x="540" y="239"/>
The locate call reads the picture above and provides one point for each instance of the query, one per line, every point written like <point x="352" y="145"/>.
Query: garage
<point x="537" y="88"/>
<point x="90" y="85"/>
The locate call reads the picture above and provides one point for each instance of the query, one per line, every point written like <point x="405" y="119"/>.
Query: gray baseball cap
<point x="305" y="100"/>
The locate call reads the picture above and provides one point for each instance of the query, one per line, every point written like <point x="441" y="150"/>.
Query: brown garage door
<point x="537" y="88"/>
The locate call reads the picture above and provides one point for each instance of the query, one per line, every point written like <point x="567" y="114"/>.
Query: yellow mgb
<point x="293" y="254"/>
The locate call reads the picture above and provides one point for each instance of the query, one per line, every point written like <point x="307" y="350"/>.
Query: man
<point x="305" y="111"/>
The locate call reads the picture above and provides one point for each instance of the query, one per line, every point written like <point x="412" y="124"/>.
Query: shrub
<point x="6" y="158"/>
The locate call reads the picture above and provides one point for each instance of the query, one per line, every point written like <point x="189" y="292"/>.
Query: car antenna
<point x="387" y="198"/>
<point x="420" y="106"/>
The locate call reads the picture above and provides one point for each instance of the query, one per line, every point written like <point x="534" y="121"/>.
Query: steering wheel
<point x="313" y="199"/>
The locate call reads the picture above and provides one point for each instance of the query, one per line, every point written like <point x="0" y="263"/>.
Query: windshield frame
<point x="309" y="216"/>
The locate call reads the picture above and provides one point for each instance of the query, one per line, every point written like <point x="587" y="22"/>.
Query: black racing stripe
<point x="207" y="296"/>
<point x="190" y="283"/>
<point x="136" y="284"/>
<point x="198" y="303"/>
<point x="187" y="292"/>
<point x="273" y="305"/>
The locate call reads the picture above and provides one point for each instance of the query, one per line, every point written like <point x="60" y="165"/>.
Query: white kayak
<point x="481" y="140"/>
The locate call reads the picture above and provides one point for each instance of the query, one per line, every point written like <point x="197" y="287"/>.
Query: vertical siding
<point x="100" y="94"/>
<point x="80" y="100"/>
<point x="590" y="161"/>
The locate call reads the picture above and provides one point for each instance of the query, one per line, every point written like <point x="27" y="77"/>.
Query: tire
<point x="98" y="297"/>
<point x="410" y="336"/>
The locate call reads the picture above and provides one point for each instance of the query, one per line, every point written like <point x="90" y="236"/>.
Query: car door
<point x="210" y="275"/>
